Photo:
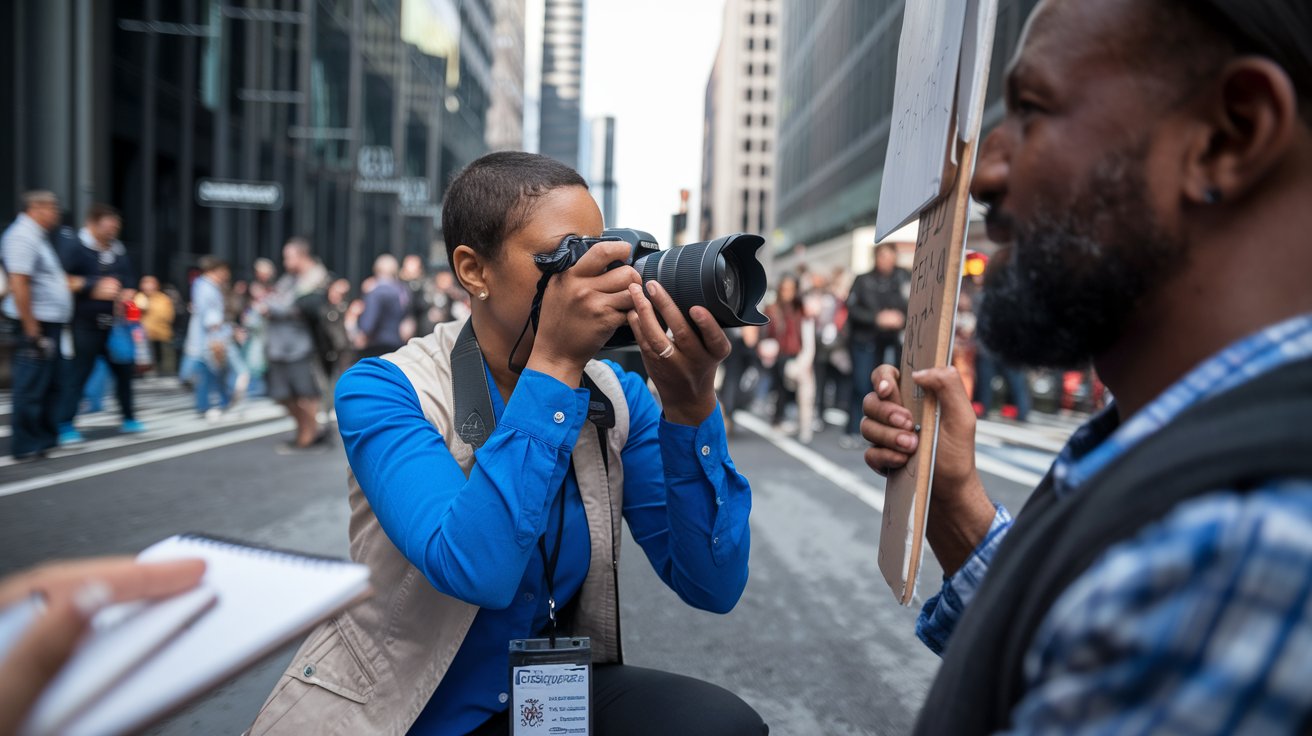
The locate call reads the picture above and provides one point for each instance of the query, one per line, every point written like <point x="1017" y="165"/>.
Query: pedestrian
<point x="254" y="346"/>
<point x="1149" y="185"/>
<point x="385" y="307"/>
<point x="787" y="345"/>
<point x="98" y="268"/>
<point x="420" y="296"/>
<point x="210" y="347"/>
<point x="876" y="314"/>
<point x="294" y="313"/>
<point x="40" y="302"/>
<point x="157" y="315"/>
<point x="339" y="327"/>
<point x="742" y="357"/>
<point x="566" y="445"/>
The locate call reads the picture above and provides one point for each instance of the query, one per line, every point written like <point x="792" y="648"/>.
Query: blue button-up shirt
<point x="1200" y="624"/>
<point x="477" y="539"/>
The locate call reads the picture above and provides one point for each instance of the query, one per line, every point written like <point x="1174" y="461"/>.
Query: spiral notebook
<point x="251" y="601"/>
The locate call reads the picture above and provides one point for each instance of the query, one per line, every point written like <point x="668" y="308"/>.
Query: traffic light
<point x="974" y="263"/>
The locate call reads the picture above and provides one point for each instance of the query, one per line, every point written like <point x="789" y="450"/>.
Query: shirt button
<point x="706" y="450"/>
<point x="503" y="697"/>
<point x="308" y="671"/>
<point x="715" y="540"/>
<point x="719" y="501"/>
<point x="559" y="417"/>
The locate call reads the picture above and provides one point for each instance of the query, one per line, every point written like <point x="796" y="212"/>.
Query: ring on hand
<point x="668" y="351"/>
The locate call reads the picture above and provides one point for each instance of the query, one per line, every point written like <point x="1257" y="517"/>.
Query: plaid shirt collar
<point x="1103" y="439"/>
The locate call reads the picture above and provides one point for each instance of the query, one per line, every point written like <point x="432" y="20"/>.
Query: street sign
<point x="375" y="162"/>
<point x="923" y="93"/>
<point x="250" y="195"/>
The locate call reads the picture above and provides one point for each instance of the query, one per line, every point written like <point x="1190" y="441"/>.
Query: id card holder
<point x="551" y="686"/>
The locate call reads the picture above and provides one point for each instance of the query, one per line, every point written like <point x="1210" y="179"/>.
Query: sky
<point x="646" y="63"/>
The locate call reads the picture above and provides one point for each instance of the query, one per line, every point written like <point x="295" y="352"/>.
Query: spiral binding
<point x="263" y="551"/>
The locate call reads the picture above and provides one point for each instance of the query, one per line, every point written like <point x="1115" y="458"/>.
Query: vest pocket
<point x="330" y="661"/>
<point x="326" y="681"/>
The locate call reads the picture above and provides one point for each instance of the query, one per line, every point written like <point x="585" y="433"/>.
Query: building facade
<point x="226" y="126"/>
<point x="835" y="110"/>
<point x="560" y="119"/>
<point x="597" y="165"/>
<point x="738" y="154"/>
<point x="505" y="117"/>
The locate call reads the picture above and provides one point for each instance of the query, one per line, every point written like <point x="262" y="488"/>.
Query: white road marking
<point x="834" y="473"/>
<point x="145" y="458"/>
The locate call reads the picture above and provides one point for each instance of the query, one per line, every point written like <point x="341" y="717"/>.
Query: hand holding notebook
<point x="140" y="663"/>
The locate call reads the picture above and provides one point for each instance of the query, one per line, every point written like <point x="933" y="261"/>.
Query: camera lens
<point x="721" y="275"/>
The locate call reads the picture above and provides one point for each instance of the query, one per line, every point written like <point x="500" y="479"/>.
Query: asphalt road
<point x="817" y="644"/>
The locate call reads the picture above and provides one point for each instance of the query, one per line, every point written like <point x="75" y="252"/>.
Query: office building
<point x="562" y="81"/>
<point x="740" y="119"/>
<point x="835" y="108"/>
<point x="226" y="126"/>
<point x="505" y="116"/>
<point x="597" y="164"/>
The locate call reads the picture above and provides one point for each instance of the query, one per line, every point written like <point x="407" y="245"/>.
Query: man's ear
<point x="468" y="267"/>
<point x="1252" y="122"/>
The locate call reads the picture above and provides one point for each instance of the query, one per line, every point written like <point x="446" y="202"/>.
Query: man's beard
<point x="1078" y="271"/>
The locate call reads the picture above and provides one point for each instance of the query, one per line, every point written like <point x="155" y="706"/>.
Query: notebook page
<point x="265" y="598"/>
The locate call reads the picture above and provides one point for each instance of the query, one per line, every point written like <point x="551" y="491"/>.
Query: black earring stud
<point x="1212" y="196"/>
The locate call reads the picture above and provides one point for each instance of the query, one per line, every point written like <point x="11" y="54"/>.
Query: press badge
<point x="551" y="686"/>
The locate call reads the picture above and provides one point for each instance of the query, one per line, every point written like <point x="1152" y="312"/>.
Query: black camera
<point x="721" y="275"/>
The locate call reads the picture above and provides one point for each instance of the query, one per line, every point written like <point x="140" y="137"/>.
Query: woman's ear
<point x="468" y="267"/>
<point x="1253" y="121"/>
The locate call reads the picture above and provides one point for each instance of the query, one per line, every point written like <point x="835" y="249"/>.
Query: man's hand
<point x="106" y="289"/>
<point x="73" y="592"/>
<point x="890" y="319"/>
<point x="961" y="513"/>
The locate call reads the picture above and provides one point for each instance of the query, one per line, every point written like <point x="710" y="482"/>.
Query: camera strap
<point x="471" y="393"/>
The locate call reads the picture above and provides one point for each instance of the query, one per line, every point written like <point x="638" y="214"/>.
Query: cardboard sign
<point x="936" y="274"/>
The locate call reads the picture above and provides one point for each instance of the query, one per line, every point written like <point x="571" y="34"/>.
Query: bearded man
<point x="1152" y="187"/>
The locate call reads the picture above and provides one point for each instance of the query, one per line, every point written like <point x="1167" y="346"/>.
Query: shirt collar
<point x="1104" y="439"/>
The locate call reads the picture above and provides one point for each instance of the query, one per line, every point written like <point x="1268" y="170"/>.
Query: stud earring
<point x="1212" y="196"/>
<point x="482" y="295"/>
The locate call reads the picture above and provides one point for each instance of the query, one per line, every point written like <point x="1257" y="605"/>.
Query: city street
<point x="817" y="644"/>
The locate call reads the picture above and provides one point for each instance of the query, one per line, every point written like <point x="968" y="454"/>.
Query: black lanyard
<point x="549" y="565"/>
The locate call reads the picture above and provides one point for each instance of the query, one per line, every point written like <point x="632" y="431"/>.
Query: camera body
<point x="722" y="275"/>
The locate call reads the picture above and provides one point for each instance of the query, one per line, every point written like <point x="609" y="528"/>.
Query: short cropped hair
<point x="1201" y="36"/>
<point x="300" y="244"/>
<point x="36" y="197"/>
<point x="495" y="196"/>
<point x="210" y="264"/>
<point x="99" y="211"/>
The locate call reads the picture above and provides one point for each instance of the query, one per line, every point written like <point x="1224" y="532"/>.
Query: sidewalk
<point x="1045" y="432"/>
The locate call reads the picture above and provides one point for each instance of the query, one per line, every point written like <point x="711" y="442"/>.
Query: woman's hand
<point x="581" y="309"/>
<point x="681" y="364"/>
<point x="73" y="592"/>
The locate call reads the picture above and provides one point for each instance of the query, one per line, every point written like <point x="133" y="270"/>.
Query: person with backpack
<point x="293" y="312"/>
<point x="489" y="477"/>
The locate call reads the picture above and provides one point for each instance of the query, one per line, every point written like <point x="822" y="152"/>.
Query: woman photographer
<point x="491" y="463"/>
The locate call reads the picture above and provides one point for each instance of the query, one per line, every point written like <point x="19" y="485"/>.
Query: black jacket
<point x="80" y="258"/>
<point x="871" y="294"/>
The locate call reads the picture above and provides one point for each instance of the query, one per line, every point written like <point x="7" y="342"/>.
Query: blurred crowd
<point x="80" y="318"/>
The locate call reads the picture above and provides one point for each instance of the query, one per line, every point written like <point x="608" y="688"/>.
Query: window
<point x="747" y="198"/>
<point x="747" y="145"/>
<point x="765" y="69"/>
<point x="767" y="44"/>
<point x="765" y="95"/>
<point x="769" y="19"/>
<point x="765" y="146"/>
<point x="745" y="226"/>
<point x="765" y="121"/>
<point x="751" y="68"/>
<point x="751" y="44"/>
<point x="751" y="19"/>
<point x="747" y="121"/>
<point x="765" y="172"/>
<point x="749" y="94"/>
<point x="747" y="169"/>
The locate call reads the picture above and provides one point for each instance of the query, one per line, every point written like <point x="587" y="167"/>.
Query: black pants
<point x="635" y="701"/>
<point x="89" y="343"/>
<point x="36" y="393"/>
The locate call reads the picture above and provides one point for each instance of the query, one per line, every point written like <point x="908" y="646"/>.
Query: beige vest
<point x="372" y="669"/>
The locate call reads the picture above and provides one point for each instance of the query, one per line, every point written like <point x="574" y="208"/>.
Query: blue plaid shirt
<point x="1202" y="623"/>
